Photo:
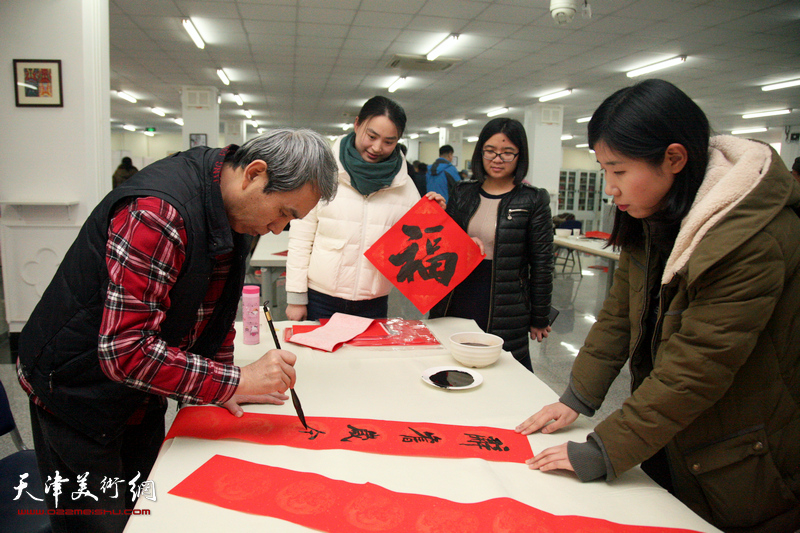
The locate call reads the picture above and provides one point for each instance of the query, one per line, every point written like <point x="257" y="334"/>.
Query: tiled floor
<point x="578" y="298"/>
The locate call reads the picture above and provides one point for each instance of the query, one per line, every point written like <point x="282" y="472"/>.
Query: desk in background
<point x="265" y="256"/>
<point x="591" y="247"/>
<point x="385" y="384"/>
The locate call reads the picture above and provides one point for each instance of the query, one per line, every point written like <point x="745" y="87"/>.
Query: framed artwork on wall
<point x="37" y="83"/>
<point x="198" y="139"/>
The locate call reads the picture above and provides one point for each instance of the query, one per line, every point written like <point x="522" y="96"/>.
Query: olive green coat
<point x="724" y="392"/>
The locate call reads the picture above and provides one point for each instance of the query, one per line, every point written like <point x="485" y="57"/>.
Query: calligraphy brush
<point x="295" y="400"/>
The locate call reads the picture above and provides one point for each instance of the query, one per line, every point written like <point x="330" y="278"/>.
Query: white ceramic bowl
<point x="475" y="350"/>
<point x="563" y="232"/>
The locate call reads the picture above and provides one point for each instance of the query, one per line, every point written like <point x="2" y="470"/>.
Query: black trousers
<point x="81" y="475"/>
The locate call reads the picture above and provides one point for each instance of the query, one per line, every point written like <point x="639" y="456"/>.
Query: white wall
<point x="578" y="158"/>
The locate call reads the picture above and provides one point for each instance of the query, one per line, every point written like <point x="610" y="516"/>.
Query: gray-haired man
<point x="142" y="308"/>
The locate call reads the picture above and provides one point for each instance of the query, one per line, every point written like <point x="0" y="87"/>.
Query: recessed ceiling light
<point x="223" y="76"/>
<point x="767" y="113"/>
<point x="193" y="33"/>
<point x="178" y="121"/>
<point x="126" y="96"/>
<point x="159" y="112"/>
<point x="583" y="119"/>
<point x="433" y="130"/>
<point x="129" y="127"/>
<point x="782" y="85"/>
<point x="441" y="47"/>
<point x="566" y="137"/>
<point x="472" y="139"/>
<point x="413" y="136"/>
<point x="656" y="66"/>
<point x="553" y="96"/>
<point x="238" y="99"/>
<point x="585" y="145"/>
<point x="247" y="113"/>
<point x="498" y="111"/>
<point x="396" y="84"/>
<point x="748" y="130"/>
<point x="149" y="133"/>
<point x="459" y="123"/>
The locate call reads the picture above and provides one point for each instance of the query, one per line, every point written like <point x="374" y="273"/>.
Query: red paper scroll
<point x="335" y="506"/>
<point x="418" y="439"/>
<point x="425" y="255"/>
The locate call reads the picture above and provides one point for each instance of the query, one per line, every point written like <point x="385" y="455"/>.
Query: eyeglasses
<point x="505" y="157"/>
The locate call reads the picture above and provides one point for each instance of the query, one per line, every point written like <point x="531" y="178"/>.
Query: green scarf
<point x="366" y="177"/>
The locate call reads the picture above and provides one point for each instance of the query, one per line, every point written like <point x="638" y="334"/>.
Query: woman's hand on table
<point x="554" y="458"/>
<point x="298" y="313"/>
<point x="549" y="419"/>
<point x="540" y="333"/>
<point x="436" y="197"/>
<point x="233" y="405"/>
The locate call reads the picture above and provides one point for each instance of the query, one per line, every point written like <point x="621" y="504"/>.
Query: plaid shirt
<point x="144" y="254"/>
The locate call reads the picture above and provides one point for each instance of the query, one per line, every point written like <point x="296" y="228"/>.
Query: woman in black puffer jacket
<point x="509" y="293"/>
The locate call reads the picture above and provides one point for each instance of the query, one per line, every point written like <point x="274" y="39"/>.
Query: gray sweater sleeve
<point x="589" y="459"/>
<point x="574" y="401"/>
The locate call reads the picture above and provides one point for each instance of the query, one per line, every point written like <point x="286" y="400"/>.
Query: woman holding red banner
<point x="326" y="271"/>
<point x="509" y="293"/>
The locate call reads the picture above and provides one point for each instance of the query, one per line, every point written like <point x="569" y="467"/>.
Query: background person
<point x="509" y="293"/>
<point x="796" y="168"/>
<point x="442" y="175"/>
<point x="124" y="171"/>
<point x="705" y="308"/>
<point x="142" y="308"/>
<point x="326" y="271"/>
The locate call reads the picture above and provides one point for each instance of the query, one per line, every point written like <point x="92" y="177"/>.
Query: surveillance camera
<point x="563" y="11"/>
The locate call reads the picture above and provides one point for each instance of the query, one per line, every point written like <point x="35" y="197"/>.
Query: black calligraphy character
<point x="357" y="433"/>
<point x="314" y="433"/>
<point x="439" y="267"/>
<point x="485" y="443"/>
<point x="428" y="436"/>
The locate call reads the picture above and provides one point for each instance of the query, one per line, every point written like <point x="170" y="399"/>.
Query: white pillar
<point x="200" y="116"/>
<point x="235" y="132"/>
<point x="543" y="125"/>
<point x="55" y="162"/>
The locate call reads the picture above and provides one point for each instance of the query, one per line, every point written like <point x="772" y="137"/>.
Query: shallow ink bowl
<point x="475" y="349"/>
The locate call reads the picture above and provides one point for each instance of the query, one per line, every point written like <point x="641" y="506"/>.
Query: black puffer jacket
<point x="522" y="269"/>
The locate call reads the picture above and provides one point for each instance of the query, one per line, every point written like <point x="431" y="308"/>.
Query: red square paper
<point x="425" y="255"/>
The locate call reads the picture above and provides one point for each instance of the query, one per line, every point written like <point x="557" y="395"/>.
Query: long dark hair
<point x="380" y="105"/>
<point x="515" y="132"/>
<point x="640" y="122"/>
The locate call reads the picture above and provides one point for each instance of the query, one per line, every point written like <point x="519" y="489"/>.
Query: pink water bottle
<point x="251" y="318"/>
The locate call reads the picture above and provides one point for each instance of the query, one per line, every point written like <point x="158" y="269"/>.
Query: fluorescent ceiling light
<point x="413" y="136"/>
<point x="126" y="96"/>
<point x="585" y="145"/>
<point x="159" y="112"/>
<point x="332" y="137"/>
<point x="472" y="139"/>
<point x="396" y="84"/>
<point x="223" y="76"/>
<point x="261" y="130"/>
<point x="178" y="121"/>
<point x="498" y="111"/>
<point x="459" y="123"/>
<point x="553" y="96"/>
<point x="346" y="127"/>
<point x="254" y="123"/>
<point x="149" y="133"/>
<point x="439" y="48"/>
<point x="129" y="127"/>
<point x="566" y="137"/>
<point x="748" y="130"/>
<point x="433" y="130"/>
<point x="193" y="33"/>
<point x="656" y="66"/>
<point x="583" y="119"/>
<point x="782" y="85"/>
<point x="238" y="99"/>
<point x="247" y="113"/>
<point x="767" y="113"/>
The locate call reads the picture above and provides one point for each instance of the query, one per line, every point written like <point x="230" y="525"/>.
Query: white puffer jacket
<point x="326" y="248"/>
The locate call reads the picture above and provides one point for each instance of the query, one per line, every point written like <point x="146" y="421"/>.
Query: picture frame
<point x="198" y="139"/>
<point x="37" y="83"/>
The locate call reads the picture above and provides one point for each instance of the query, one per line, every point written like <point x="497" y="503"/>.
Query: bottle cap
<point x="251" y="289"/>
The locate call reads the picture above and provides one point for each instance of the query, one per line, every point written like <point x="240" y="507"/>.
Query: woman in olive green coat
<point x="705" y="307"/>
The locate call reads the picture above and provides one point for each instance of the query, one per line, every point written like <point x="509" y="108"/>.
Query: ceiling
<point x="313" y="63"/>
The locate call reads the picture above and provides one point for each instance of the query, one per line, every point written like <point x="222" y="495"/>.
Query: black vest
<point x="58" y="345"/>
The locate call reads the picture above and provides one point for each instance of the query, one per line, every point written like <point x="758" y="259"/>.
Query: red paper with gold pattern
<point x="417" y="439"/>
<point x="425" y="255"/>
<point x="336" y="506"/>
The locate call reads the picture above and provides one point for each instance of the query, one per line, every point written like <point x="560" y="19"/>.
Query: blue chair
<point x="12" y="467"/>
